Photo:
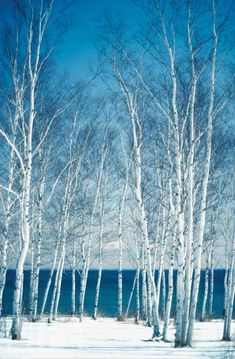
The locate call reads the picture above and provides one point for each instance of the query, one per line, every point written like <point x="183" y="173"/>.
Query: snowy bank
<point x="108" y="338"/>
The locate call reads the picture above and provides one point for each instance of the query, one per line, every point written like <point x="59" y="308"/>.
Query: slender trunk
<point x="205" y="296"/>
<point x="73" y="293"/>
<point x="211" y="261"/>
<point x="131" y="296"/>
<point x="179" y="192"/>
<point x="156" y="241"/>
<point x="225" y="287"/>
<point x="138" y="259"/>
<point x="120" y="220"/>
<point x="97" y="294"/>
<point x="163" y="294"/>
<point x="58" y="292"/>
<point x="205" y="181"/>
<point x="169" y="303"/>
<point x="160" y="277"/>
<point x="149" y="303"/>
<point x="38" y="249"/>
<point x="97" y="291"/>
<point x="211" y="298"/>
<point x="31" y="282"/>
<point x="83" y="270"/>
<point x="190" y="236"/>
<point x="3" y="271"/>
<point x="36" y="280"/>
<point x="25" y="210"/>
<point x="227" y="335"/>
<point x="120" y="267"/>
<point x="144" y="295"/>
<point x="55" y="290"/>
<point x="141" y="207"/>
<point x="88" y="255"/>
<point x="82" y="292"/>
<point x="67" y="201"/>
<point x="5" y="245"/>
<point x="49" y="281"/>
<point x="162" y="256"/>
<point x="137" y="317"/>
<point x="170" y="291"/>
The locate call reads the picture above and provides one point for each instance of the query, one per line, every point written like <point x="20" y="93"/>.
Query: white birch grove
<point x="31" y="72"/>
<point x="28" y="59"/>
<point x="191" y="141"/>
<point x="137" y="138"/>
<point x="130" y="168"/>
<point x="87" y="255"/>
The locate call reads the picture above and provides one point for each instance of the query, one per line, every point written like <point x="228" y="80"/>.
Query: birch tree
<point x="230" y="271"/>
<point x="28" y="58"/>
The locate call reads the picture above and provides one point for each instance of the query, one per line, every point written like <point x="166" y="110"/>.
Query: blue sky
<point x="77" y="48"/>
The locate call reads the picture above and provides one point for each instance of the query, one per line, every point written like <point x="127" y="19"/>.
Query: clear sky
<point x="77" y="48"/>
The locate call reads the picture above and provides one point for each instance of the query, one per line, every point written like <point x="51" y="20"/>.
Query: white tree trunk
<point x="58" y="293"/>
<point x="5" y="244"/>
<point x="31" y="287"/>
<point x="101" y="231"/>
<point x="205" y="295"/>
<point x="144" y="294"/>
<point x="211" y="298"/>
<point x="25" y="208"/>
<point x="73" y="293"/>
<point x="170" y="291"/>
<point x="168" y="303"/>
<point x="55" y="289"/>
<point x="86" y="258"/>
<point x="137" y="316"/>
<point x="203" y="204"/>
<point x="120" y="220"/>
<point x="227" y="334"/>
<point x="149" y="303"/>
<point x="191" y="195"/>
<point x="49" y="281"/>
<point x="131" y="295"/>
<point x="225" y="287"/>
<point x="163" y="294"/>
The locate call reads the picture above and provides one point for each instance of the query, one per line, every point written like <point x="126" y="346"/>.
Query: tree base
<point x="121" y="319"/>
<point x="157" y="336"/>
<point x="182" y="345"/>
<point x="226" y="339"/>
<point x="165" y="340"/>
<point x="16" y="329"/>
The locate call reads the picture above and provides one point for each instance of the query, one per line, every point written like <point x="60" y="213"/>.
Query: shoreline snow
<point x="108" y="338"/>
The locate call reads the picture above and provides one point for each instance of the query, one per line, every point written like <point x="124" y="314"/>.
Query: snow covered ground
<point x="107" y="338"/>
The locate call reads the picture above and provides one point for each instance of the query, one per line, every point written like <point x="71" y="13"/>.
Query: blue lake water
<point x="108" y="292"/>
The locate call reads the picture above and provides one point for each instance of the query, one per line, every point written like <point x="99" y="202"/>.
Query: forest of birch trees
<point x="134" y="165"/>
